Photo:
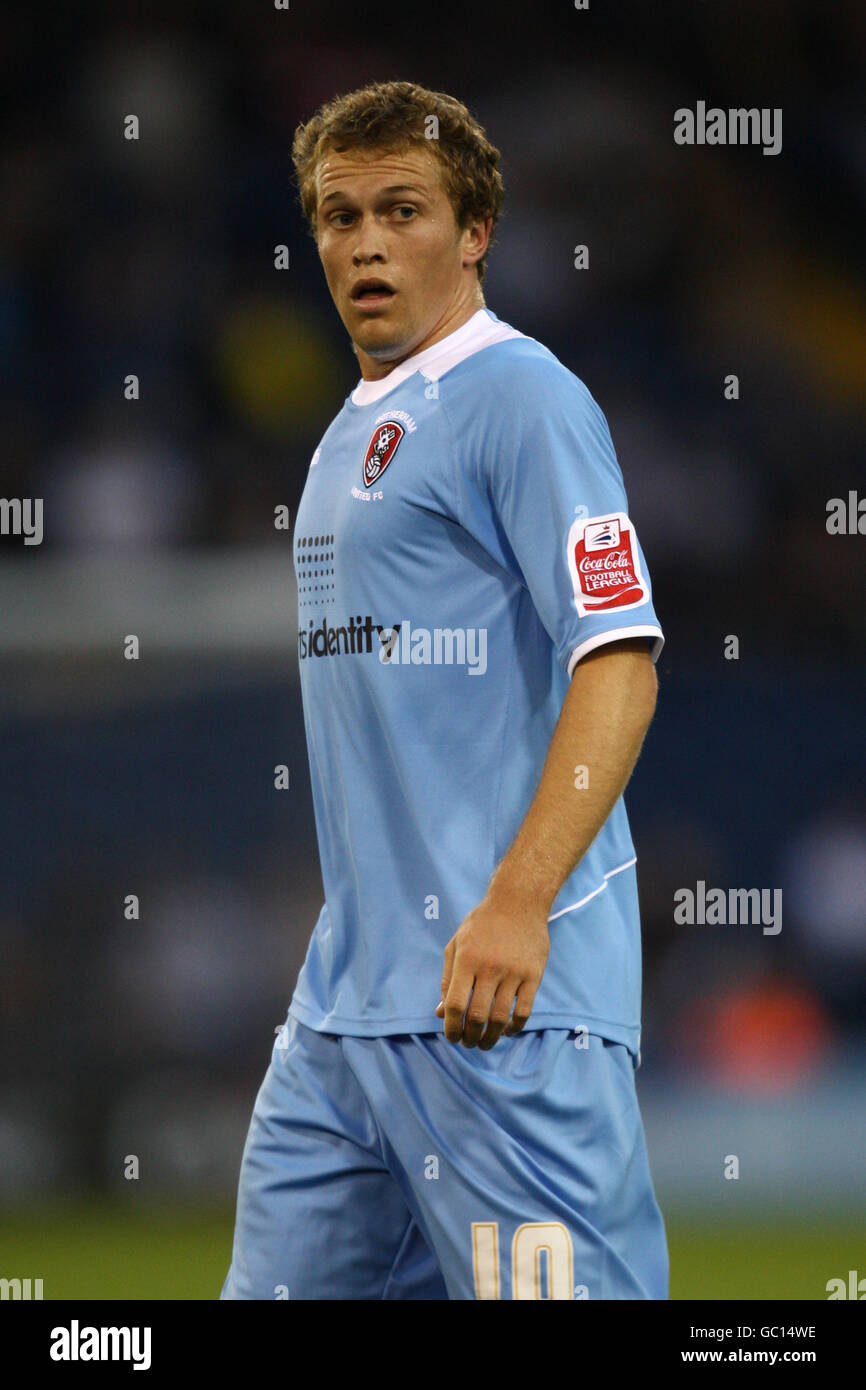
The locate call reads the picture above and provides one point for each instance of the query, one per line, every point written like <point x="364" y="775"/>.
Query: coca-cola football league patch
<point x="381" y="450"/>
<point x="605" y="565"/>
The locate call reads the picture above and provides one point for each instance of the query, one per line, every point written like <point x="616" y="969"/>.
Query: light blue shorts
<point x="411" y="1167"/>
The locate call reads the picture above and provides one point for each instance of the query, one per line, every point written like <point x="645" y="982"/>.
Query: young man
<point x="476" y="647"/>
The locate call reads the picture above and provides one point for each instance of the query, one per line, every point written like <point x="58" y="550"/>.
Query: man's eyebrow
<point x="392" y="188"/>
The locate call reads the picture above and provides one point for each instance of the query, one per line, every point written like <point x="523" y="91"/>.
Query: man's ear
<point x="479" y="234"/>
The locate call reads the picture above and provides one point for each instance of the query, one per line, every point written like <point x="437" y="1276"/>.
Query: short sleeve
<point x="544" y="492"/>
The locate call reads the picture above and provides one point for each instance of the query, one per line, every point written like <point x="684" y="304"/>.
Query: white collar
<point x="479" y="331"/>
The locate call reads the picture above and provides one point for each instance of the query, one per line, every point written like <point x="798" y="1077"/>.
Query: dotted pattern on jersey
<point x="315" y="574"/>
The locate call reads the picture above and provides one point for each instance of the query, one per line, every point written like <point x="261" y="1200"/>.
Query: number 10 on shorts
<point x="542" y="1261"/>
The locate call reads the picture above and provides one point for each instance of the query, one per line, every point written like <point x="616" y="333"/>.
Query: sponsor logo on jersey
<point x="381" y="449"/>
<point x="604" y="564"/>
<point x="401" y="644"/>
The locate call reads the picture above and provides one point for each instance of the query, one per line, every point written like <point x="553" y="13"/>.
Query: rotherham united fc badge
<point x="604" y="564"/>
<point x="381" y="450"/>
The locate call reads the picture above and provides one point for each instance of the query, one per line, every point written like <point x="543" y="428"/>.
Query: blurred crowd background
<point x="149" y="1035"/>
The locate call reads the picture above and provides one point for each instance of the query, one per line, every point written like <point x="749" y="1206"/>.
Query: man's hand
<point x="498" y="952"/>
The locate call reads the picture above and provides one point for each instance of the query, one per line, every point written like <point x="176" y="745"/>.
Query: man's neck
<point x="374" y="369"/>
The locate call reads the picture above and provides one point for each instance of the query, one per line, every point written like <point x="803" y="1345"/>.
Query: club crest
<point x="381" y="450"/>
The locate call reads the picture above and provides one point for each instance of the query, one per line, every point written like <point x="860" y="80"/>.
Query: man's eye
<point x="337" y="215"/>
<point x="406" y="207"/>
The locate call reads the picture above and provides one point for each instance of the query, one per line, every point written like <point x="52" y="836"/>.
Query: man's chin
<point x="379" y="342"/>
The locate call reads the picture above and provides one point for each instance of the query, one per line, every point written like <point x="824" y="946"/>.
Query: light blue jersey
<point x="463" y="540"/>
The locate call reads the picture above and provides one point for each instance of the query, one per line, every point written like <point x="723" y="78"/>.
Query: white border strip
<point x="615" y="634"/>
<point x="477" y="332"/>
<point x="595" y="892"/>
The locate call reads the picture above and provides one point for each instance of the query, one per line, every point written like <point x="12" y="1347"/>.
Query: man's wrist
<point x="517" y="888"/>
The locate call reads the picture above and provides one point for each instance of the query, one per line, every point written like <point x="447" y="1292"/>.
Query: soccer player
<point x="450" y="1109"/>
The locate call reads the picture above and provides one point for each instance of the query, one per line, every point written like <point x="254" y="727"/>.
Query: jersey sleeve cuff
<point x="617" y="634"/>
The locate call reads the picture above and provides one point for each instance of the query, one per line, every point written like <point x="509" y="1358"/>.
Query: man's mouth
<point x="371" y="294"/>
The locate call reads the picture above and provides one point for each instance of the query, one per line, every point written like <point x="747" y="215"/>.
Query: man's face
<point x="386" y="218"/>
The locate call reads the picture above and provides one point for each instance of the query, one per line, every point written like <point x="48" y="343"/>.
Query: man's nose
<point x="370" y="241"/>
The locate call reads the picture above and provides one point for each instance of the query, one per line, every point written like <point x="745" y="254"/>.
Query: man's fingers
<point x="499" y="1014"/>
<point x="446" y="977"/>
<point x="522" y="1009"/>
<point x="456" y="1002"/>
<point x="478" y="1012"/>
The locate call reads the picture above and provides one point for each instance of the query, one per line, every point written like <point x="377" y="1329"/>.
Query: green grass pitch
<point x="96" y="1252"/>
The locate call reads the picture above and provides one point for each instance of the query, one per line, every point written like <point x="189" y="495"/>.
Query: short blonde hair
<point x="394" y="117"/>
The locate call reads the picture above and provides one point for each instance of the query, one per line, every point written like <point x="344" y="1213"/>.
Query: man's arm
<point x="500" y="950"/>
